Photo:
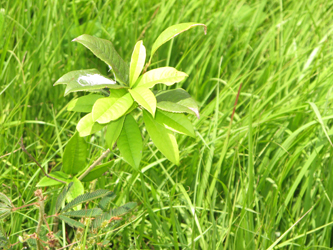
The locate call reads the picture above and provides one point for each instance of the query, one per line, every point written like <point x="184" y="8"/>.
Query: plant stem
<point x="98" y="161"/>
<point x="38" y="164"/>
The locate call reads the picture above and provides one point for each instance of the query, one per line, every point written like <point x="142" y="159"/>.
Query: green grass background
<point x="241" y="184"/>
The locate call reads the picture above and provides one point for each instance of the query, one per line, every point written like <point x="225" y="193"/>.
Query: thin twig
<point x="97" y="162"/>
<point x="38" y="164"/>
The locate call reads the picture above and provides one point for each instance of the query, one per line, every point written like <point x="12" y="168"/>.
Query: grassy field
<point x="262" y="179"/>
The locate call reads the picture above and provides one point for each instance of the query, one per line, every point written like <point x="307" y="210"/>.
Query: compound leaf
<point x="84" y="213"/>
<point x="137" y="62"/>
<point x="71" y="222"/>
<point x="83" y="103"/>
<point x="130" y="142"/>
<point x="86" y="80"/>
<point x="163" y="138"/>
<point x="165" y="75"/>
<point x="145" y="98"/>
<point x="175" y="122"/>
<point x="75" y="155"/>
<point x="87" y="126"/>
<point x="105" y="51"/>
<point x="171" y="32"/>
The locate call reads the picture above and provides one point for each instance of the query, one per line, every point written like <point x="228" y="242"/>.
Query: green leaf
<point x="4" y="198"/>
<point x="123" y="209"/>
<point x="86" y="80"/>
<point x="62" y="196"/>
<point x="110" y="108"/>
<point x="165" y="75"/>
<point x="47" y="182"/>
<point x="87" y="126"/>
<point x="97" y="171"/>
<point x="76" y="191"/>
<point x="163" y="138"/>
<point x="4" y="210"/>
<point x="137" y="62"/>
<point x="113" y="131"/>
<point x="85" y="198"/>
<point x="84" y="213"/>
<point x="145" y="98"/>
<point x="106" y="201"/>
<point x="130" y="142"/>
<point x="175" y="122"/>
<point x="171" y="32"/>
<point x="83" y="103"/>
<point x="71" y="222"/>
<point x="177" y="101"/>
<point x="105" y="51"/>
<point x="75" y="155"/>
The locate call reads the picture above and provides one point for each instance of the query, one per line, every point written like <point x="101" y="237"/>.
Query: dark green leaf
<point x="123" y="209"/>
<point x="104" y="50"/>
<point x="83" y="103"/>
<point x="84" y="213"/>
<point x="106" y="201"/>
<point x="97" y="171"/>
<point x="130" y="142"/>
<point x="71" y="222"/>
<point x="75" y="155"/>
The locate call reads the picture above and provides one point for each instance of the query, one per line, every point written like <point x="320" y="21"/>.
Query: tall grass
<point x="262" y="180"/>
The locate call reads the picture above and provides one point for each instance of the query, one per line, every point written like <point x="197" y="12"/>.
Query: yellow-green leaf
<point x="87" y="126"/>
<point x="137" y="62"/>
<point x="145" y="98"/>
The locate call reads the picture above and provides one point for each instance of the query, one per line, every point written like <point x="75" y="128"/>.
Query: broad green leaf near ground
<point x="130" y="142"/>
<point x="178" y="101"/>
<point x="137" y="62"/>
<point x="75" y="155"/>
<point x="175" y="122"/>
<point x="105" y="50"/>
<point x="165" y="75"/>
<point x="87" y="126"/>
<point x="163" y="138"/>
<point x="111" y="108"/>
<point x="46" y="181"/>
<point x="145" y="98"/>
<point x="83" y="103"/>
<point x="113" y="131"/>
<point x="171" y="32"/>
<point x="75" y="191"/>
<point x="86" y="80"/>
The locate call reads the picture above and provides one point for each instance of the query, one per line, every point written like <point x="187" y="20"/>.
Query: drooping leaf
<point x="145" y="98"/>
<point x="113" y="131"/>
<point x="71" y="222"/>
<point x="4" y="198"/>
<point x="176" y="122"/>
<point x="76" y="191"/>
<point x="84" y="213"/>
<point x="87" y="126"/>
<point x="163" y="138"/>
<point x="86" y="80"/>
<point x="165" y="75"/>
<point x="75" y="155"/>
<point x="123" y="209"/>
<point x="47" y="182"/>
<point x="105" y="51"/>
<point x="97" y="222"/>
<point x="97" y="171"/>
<point x="62" y="196"/>
<point x="106" y="201"/>
<point x="171" y="32"/>
<point x="177" y="101"/>
<point x="110" y="109"/>
<point x="130" y="142"/>
<point x="85" y="198"/>
<point x="137" y="62"/>
<point x="83" y="103"/>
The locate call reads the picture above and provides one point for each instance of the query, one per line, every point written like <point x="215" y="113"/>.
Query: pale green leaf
<point x="137" y="62"/>
<point x="145" y="98"/>
<point x="71" y="222"/>
<point x="163" y="138"/>
<point x="75" y="191"/>
<point x="97" y="171"/>
<point x="75" y="155"/>
<point x="113" y="131"/>
<point x="83" y="103"/>
<point x="130" y="142"/>
<point x="177" y="101"/>
<point x="171" y="32"/>
<point x="104" y="50"/>
<point x="47" y="182"/>
<point x="62" y="196"/>
<point x="86" y="80"/>
<point x="165" y="75"/>
<point x="84" y="213"/>
<point x="87" y="126"/>
<point x="110" y="108"/>
<point x="175" y="122"/>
